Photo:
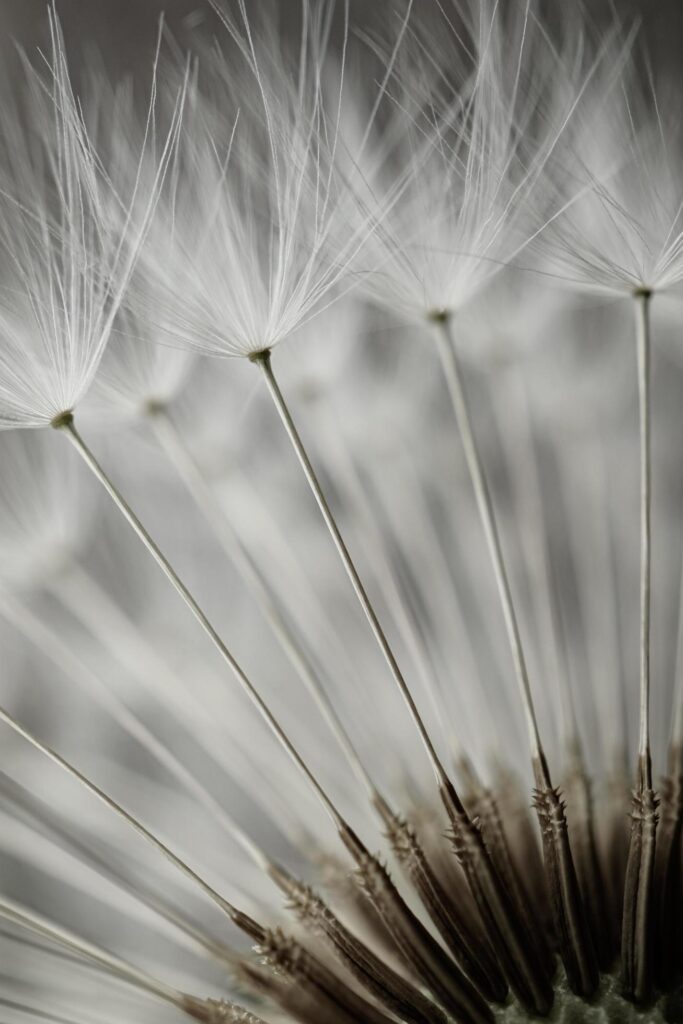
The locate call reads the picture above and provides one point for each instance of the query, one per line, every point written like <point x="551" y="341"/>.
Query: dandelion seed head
<point x="462" y="166"/>
<point x="66" y="259"/>
<point x="136" y="376"/>
<point x="623" y="235"/>
<point x="256" y="235"/>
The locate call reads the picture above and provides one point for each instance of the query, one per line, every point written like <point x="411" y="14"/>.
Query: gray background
<point x="125" y="29"/>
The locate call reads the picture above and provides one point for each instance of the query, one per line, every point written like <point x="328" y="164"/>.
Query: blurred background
<point x="125" y="29"/>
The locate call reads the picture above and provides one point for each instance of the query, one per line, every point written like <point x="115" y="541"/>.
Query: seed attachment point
<point x="262" y="356"/>
<point x="154" y="407"/>
<point x="64" y="419"/>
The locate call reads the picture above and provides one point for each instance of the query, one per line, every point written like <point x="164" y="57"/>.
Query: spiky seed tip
<point x="218" y="1011"/>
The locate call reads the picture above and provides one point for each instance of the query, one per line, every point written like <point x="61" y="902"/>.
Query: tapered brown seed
<point x="336" y="879"/>
<point x="296" y="1000"/>
<point x="669" y="946"/>
<point x="262" y="359"/>
<point x="336" y="1001"/>
<point x="614" y="812"/>
<point x="467" y="945"/>
<point x="423" y="955"/>
<point x="637" y="932"/>
<point x="668" y="872"/>
<point x="219" y="1011"/>
<point x="524" y="971"/>
<point x="571" y="924"/>
<point x="483" y="807"/>
<point x="286" y="954"/>
<point x="589" y="871"/>
<point x="525" y="849"/>
<point x="471" y="952"/>
<point x="433" y="831"/>
<point x="395" y="993"/>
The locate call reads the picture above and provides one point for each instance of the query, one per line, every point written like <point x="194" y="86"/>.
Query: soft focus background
<point x="125" y="28"/>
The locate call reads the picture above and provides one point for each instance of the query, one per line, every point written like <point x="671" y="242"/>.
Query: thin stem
<point x="49" y="643"/>
<point x="39" y="1012"/>
<point x="130" y="819"/>
<point x="180" y="588"/>
<point x="195" y="710"/>
<point x="378" y="557"/>
<point x="71" y="838"/>
<point x="38" y="925"/>
<point x="312" y="614"/>
<point x="643" y="344"/>
<point x="575" y="943"/>
<point x="449" y="362"/>
<point x="639" y="913"/>
<point x="587" y="496"/>
<point x="173" y="444"/>
<point x="262" y="360"/>
<point x="521" y="451"/>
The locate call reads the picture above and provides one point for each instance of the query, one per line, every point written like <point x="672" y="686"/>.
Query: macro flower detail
<point x="66" y="269"/>
<point x="343" y="642"/>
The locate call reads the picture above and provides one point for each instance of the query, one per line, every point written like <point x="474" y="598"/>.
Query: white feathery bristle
<point x="137" y="374"/>
<point x="257" y="234"/>
<point x="68" y="242"/>
<point x="624" y="231"/>
<point x="458" y="169"/>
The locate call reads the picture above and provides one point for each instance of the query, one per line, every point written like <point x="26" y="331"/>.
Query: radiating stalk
<point x="452" y="374"/>
<point x="123" y="639"/>
<point x="262" y="360"/>
<point x="378" y="557"/>
<point x="643" y="343"/>
<point x="523" y="459"/>
<point x="520" y="446"/>
<point x="475" y="959"/>
<point x="120" y="811"/>
<point x="446" y="982"/>
<point x="383" y="982"/>
<point x="51" y="645"/>
<point x="67" y="425"/>
<point x="592" y="553"/>
<point x="639" y="898"/>
<point x="173" y="444"/>
<point x="38" y="815"/>
<point x="576" y="946"/>
<point x="284" y="954"/>
<point x="38" y="1012"/>
<point x="515" y="948"/>
<point x="38" y="925"/>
